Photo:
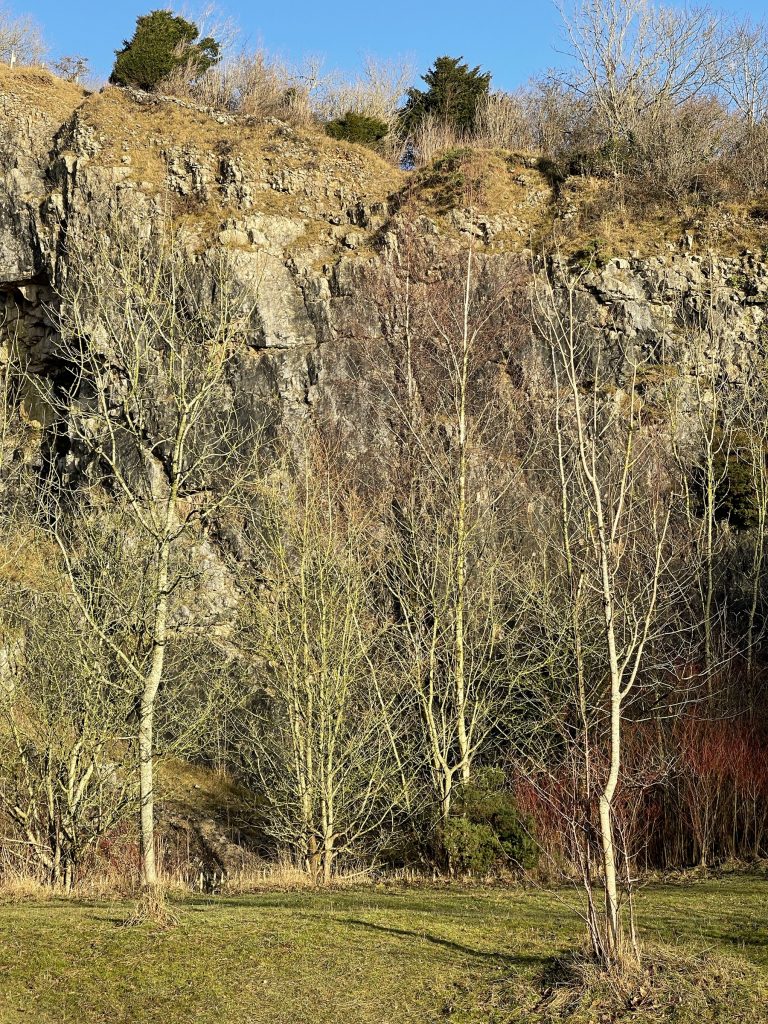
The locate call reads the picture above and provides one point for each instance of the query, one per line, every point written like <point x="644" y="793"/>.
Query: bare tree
<point x="451" y="336"/>
<point x="318" y="738"/>
<point x="635" y="57"/>
<point x="65" y="773"/>
<point x="745" y="86"/>
<point x="704" y="409"/>
<point x="71" y="67"/>
<point x="249" y="83"/>
<point x="501" y="123"/>
<point x="745" y="78"/>
<point x="620" y="580"/>
<point x="377" y="91"/>
<point x="21" y="41"/>
<point x="149" y="332"/>
<point x="751" y="450"/>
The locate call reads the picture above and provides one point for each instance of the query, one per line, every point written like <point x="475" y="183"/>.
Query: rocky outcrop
<point x="652" y="305"/>
<point x="32" y="112"/>
<point x="296" y="213"/>
<point x="313" y="224"/>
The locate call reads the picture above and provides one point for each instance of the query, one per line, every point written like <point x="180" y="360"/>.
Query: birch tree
<point x="704" y="411"/>
<point x="318" y="739"/>
<point x="617" y="563"/>
<point x="752" y="450"/>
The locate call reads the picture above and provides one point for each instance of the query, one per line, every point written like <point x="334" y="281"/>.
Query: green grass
<point x="358" y="957"/>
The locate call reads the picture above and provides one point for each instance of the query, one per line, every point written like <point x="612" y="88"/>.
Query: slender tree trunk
<point x="461" y="683"/>
<point x="328" y="856"/>
<point x="56" y="869"/>
<point x="314" y="856"/>
<point x="146" y="788"/>
<point x="461" y="541"/>
<point x="446" y="799"/>
<point x="147" y="716"/>
<point x="710" y="581"/>
<point x="758" y="551"/>
<point x="607" y="834"/>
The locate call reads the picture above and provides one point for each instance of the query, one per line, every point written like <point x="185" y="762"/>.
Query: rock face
<point x="296" y="218"/>
<point x="651" y="303"/>
<point x="315" y="225"/>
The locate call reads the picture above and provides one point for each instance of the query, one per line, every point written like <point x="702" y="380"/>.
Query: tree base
<point x="152" y="908"/>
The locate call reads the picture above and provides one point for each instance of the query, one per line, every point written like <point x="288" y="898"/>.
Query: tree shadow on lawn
<point x="503" y="959"/>
<point x="731" y="932"/>
<point x="276" y="903"/>
<point x="462" y="906"/>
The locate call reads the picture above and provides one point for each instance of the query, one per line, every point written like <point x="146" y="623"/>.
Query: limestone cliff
<point x="317" y="223"/>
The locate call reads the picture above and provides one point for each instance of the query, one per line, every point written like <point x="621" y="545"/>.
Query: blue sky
<point x="511" y="38"/>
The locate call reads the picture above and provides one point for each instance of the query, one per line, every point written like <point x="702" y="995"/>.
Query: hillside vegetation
<point x="384" y="495"/>
<point x="509" y="199"/>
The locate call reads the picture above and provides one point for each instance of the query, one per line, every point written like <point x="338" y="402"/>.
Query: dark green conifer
<point x="453" y="93"/>
<point x="161" y="43"/>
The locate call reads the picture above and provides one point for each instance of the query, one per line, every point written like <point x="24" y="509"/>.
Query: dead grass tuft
<point x="668" y="985"/>
<point x="286" y="876"/>
<point x="21" y="886"/>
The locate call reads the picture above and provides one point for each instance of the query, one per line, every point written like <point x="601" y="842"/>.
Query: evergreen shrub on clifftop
<point x="453" y="93"/>
<point x="360" y="128"/>
<point x="162" y="43"/>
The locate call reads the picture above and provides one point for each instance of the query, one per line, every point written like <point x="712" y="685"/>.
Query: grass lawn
<point x="365" y="956"/>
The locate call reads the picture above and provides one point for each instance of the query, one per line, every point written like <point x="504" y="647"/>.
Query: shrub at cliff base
<point x="486" y="830"/>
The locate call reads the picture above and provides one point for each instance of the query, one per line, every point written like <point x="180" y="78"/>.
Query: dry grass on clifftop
<point x="38" y="92"/>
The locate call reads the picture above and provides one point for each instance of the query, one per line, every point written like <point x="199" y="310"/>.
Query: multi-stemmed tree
<point x="317" y="734"/>
<point x="451" y="414"/>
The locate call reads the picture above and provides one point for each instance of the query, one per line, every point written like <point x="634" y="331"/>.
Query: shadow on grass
<point x="460" y="904"/>
<point x="505" y="959"/>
